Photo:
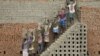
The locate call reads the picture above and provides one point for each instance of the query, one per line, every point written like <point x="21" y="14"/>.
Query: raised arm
<point x="74" y="3"/>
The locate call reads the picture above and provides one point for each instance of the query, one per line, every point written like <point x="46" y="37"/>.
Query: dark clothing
<point x="56" y="35"/>
<point x="71" y="17"/>
<point x="42" y="33"/>
<point x="25" y="44"/>
<point x="46" y="44"/>
<point x="30" y="41"/>
<point x="32" y="54"/>
<point x="40" y="48"/>
<point x="62" y="23"/>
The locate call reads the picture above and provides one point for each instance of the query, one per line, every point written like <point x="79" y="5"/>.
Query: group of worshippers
<point x="64" y="16"/>
<point x="27" y="44"/>
<point x="36" y="42"/>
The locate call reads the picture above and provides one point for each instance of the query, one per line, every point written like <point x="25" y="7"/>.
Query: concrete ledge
<point x="90" y="4"/>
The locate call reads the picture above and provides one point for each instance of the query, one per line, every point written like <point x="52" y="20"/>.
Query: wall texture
<point x="91" y="17"/>
<point x="11" y="38"/>
<point x="87" y="0"/>
<point x="26" y="11"/>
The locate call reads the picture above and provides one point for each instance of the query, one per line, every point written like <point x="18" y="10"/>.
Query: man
<point x="62" y="14"/>
<point x="62" y="19"/>
<point x="47" y="26"/>
<point x="32" y="49"/>
<point x="25" y="46"/>
<point x="41" y="37"/>
<point x="46" y="40"/>
<point x="71" y="7"/>
<point x="56" y="31"/>
<point x="40" y="44"/>
<point x="42" y="31"/>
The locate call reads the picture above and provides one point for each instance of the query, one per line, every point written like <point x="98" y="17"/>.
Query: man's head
<point x="62" y="11"/>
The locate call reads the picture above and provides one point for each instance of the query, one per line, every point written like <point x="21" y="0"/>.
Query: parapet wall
<point x="11" y="38"/>
<point x="91" y="17"/>
<point x="28" y="12"/>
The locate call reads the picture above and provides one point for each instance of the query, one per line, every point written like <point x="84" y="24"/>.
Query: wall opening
<point x="64" y="54"/>
<point x="64" y="50"/>
<point x="56" y="55"/>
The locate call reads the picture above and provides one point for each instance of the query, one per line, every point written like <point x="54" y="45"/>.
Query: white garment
<point x="50" y="25"/>
<point x="46" y="27"/>
<point x="56" y="29"/>
<point x="71" y="8"/>
<point x="25" y="52"/>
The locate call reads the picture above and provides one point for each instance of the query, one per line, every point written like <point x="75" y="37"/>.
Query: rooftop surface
<point x="95" y="4"/>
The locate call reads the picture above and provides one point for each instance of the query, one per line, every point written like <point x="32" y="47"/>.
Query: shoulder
<point x="69" y="5"/>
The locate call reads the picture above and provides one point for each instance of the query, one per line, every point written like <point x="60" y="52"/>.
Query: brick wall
<point x="91" y="16"/>
<point x="11" y="38"/>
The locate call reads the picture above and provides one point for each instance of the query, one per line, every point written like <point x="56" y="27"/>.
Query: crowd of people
<point x="36" y="42"/>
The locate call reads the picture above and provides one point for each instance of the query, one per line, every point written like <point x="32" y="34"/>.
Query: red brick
<point x="11" y="38"/>
<point x="91" y="17"/>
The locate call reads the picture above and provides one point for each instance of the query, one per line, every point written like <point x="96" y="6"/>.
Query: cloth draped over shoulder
<point x="56" y="29"/>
